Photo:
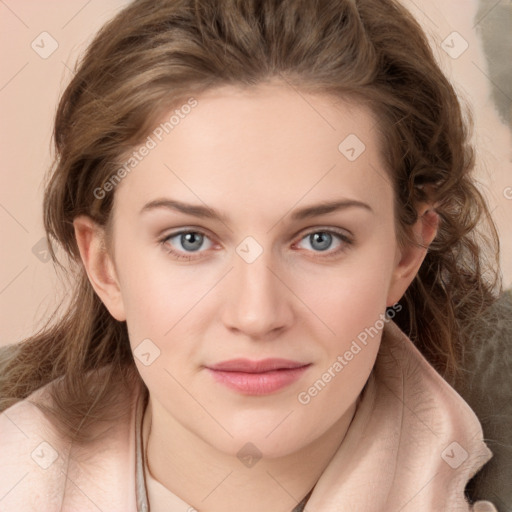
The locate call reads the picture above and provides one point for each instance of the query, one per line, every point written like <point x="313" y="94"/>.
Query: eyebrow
<point x="307" y="212"/>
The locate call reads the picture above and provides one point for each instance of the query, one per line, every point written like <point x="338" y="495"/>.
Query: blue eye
<point x="321" y="241"/>
<point x="191" y="241"/>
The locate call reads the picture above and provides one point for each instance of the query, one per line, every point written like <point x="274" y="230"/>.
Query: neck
<point x="210" y="479"/>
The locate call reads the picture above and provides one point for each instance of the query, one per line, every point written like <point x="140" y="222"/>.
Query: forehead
<point x="259" y="147"/>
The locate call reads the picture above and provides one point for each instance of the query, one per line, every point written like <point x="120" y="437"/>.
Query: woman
<point x="320" y="169"/>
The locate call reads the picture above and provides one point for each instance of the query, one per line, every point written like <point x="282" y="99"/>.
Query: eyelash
<point x="347" y="243"/>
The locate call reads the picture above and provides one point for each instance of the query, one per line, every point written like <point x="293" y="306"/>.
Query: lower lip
<point x="258" y="383"/>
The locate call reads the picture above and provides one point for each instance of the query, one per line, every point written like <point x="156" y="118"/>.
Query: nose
<point x="257" y="300"/>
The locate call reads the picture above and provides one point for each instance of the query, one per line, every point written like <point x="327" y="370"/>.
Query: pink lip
<point x="257" y="377"/>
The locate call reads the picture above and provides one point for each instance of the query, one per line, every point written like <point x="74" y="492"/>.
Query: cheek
<point x="349" y="297"/>
<point x="352" y="306"/>
<point x="157" y="293"/>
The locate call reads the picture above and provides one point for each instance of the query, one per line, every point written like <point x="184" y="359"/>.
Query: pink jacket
<point x="412" y="447"/>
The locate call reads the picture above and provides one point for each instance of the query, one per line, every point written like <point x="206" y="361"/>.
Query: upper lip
<point x="263" y="365"/>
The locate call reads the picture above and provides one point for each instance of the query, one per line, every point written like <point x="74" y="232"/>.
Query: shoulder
<point x="443" y="429"/>
<point x="31" y="457"/>
<point x="40" y="470"/>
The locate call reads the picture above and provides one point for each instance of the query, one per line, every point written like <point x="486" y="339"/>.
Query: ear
<point x="409" y="259"/>
<point x="99" y="265"/>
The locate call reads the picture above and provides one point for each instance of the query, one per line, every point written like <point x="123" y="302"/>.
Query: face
<point x="256" y="270"/>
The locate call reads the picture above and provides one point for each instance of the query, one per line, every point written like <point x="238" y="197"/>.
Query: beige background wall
<point x="39" y="44"/>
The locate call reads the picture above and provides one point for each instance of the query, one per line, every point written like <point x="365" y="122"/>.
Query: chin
<point x="251" y="445"/>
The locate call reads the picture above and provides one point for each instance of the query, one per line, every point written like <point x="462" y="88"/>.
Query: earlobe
<point x="410" y="258"/>
<point x="99" y="265"/>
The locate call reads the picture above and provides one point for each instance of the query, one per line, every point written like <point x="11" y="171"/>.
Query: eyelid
<point x="325" y="229"/>
<point x="190" y="229"/>
<point x="347" y="240"/>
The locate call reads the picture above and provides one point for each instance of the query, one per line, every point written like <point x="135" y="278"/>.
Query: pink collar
<point x="412" y="446"/>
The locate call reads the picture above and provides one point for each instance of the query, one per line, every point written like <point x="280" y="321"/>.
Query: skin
<point x="257" y="155"/>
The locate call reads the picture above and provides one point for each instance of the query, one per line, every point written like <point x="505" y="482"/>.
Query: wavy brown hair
<point x="156" y="53"/>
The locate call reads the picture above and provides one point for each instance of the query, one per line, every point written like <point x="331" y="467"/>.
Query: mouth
<point x="257" y="377"/>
